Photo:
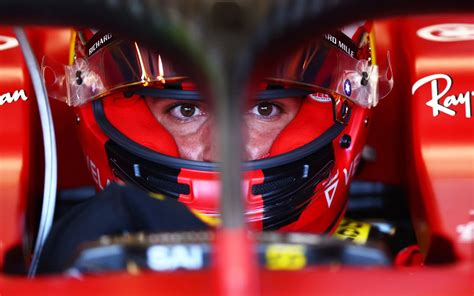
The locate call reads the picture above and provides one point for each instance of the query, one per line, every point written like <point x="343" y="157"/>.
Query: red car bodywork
<point x="430" y="154"/>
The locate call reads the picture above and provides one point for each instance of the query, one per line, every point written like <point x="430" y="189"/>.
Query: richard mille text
<point x="99" y="43"/>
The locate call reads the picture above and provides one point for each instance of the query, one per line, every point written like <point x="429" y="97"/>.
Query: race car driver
<point x="144" y="123"/>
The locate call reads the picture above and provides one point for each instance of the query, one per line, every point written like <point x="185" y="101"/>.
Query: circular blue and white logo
<point x="347" y="88"/>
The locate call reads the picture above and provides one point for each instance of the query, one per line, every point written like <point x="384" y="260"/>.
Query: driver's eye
<point x="266" y="109"/>
<point x="185" y="111"/>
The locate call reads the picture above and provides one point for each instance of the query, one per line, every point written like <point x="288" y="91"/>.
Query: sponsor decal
<point x="342" y="42"/>
<point x="352" y="168"/>
<point x="440" y="100"/>
<point x="7" y="42"/>
<point x="285" y="257"/>
<point x="466" y="232"/>
<point x="447" y="32"/>
<point x="355" y="231"/>
<point x="321" y="97"/>
<point x="96" y="173"/>
<point x="97" y="42"/>
<point x="347" y="88"/>
<point x="8" y="98"/>
<point x="166" y="258"/>
<point x="331" y="188"/>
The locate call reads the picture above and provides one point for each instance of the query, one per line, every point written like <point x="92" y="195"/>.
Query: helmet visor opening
<point x="185" y="128"/>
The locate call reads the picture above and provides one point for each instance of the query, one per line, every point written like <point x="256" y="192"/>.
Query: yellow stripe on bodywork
<point x="209" y="220"/>
<point x="157" y="196"/>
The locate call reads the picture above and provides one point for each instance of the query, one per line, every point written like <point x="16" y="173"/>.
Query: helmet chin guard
<point x="278" y="188"/>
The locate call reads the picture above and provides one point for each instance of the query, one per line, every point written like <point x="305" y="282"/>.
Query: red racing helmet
<point x="305" y="129"/>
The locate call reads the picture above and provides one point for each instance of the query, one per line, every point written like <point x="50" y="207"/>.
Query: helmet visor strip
<point x="126" y="66"/>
